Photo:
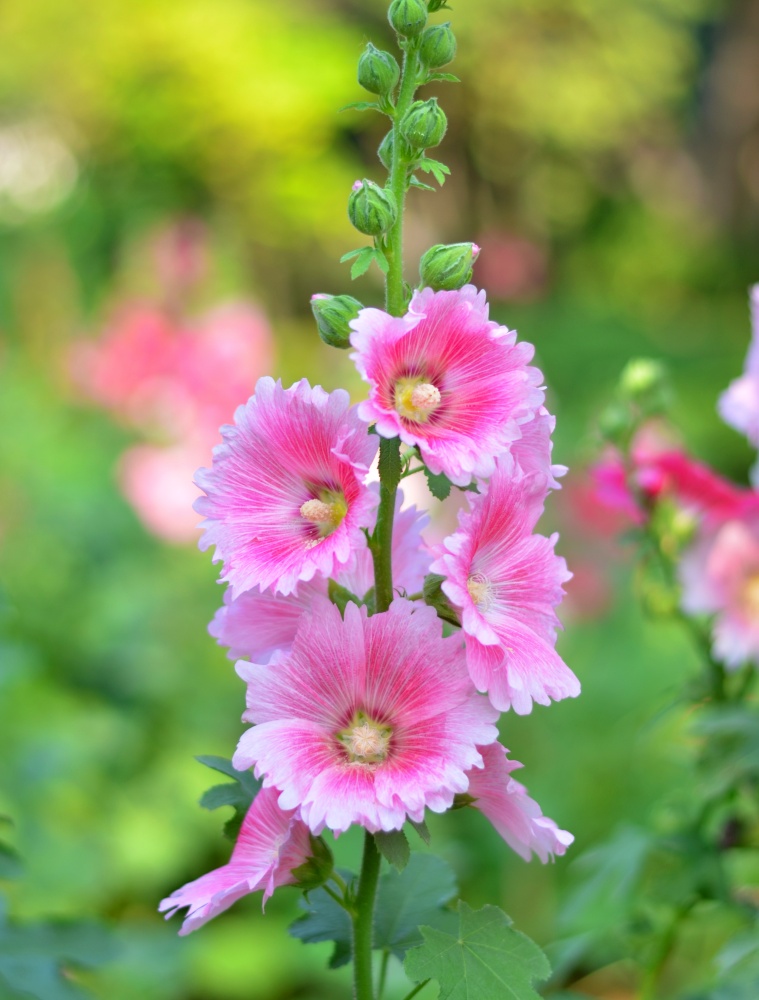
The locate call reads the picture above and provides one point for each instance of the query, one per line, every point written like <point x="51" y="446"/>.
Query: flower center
<point x="416" y="399"/>
<point x="479" y="589"/>
<point x="750" y="596"/>
<point x="365" y="741"/>
<point x="325" y="512"/>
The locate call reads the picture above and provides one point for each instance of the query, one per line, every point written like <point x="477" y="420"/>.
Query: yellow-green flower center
<point x="365" y="741"/>
<point x="479" y="589"/>
<point x="325" y="511"/>
<point x="416" y="399"/>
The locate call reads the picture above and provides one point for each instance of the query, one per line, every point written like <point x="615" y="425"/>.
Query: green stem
<point x="363" y="920"/>
<point x="382" y="539"/>
<point x="416" y="989"/>
<point x="383" y="974"/>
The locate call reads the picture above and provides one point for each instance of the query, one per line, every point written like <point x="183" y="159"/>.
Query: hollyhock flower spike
<point x="255" y="625"/>
<point x="447" y="379"/>
<point x="285" y="497"/>
<point x="271" y="844"/>
<point x="368" y="720"/>
<point x="739" y="404"/>
<point x="518" y="818"/>
<point x="720" y="576"/>
<point x="506" y="582"/>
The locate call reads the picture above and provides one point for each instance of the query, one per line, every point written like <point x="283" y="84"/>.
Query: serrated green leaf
<point x="238" y="794"/>
<point x="393" y="846"/>
<point x="439" y="485"/>
<point x="438" y="170"/>
<point x="37" y="959"/>
<point x="486" y="960"/>
<point x="421" y="829"/>
<point x="417" y="895"/>
<point x="382" y="262"/>
<point x="325" y="920"/>
<point x="362" y="262"/>
<point x="351" y="254"/>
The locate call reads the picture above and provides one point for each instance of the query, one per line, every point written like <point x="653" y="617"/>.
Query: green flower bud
<point x="424" y="124"/>
<point x="372" y="209"/>
<point x="378" y="71"/>
<point x="438" y="45"/>
<point x="333" y="314"/>
<point x="385" y="151"/>
<point x="408" y="17"/>
<point x="444" y="268"/>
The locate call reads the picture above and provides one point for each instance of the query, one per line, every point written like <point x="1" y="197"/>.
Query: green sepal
<point x="485" y="960"/>
<point x="341" y="596"/>
<point x="362" y="106"/>
<point x="438" y="170"/>
<point x="317" y="868"/>
<point x="432" y="592"/>
<point x="238" y="794"/>
<point x="462" y="800"/>
<point x="394" y="847"/>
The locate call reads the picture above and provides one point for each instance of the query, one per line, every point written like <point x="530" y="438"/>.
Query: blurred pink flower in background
<point x="174" y="380"/>
<point x="739" y="403"/>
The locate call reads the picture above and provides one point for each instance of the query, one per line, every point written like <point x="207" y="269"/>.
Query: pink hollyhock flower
<point x="505" y="581"/>
<point x="720" y="576"/>
<point x="447" y="379"/>
<point x="285" y="498"/>
<point x="739" y="404"/>
<point x="256" y="624"/>
<point x="367" y="720"/>
<point x="271" y="843"/>
<point x="518" y="818"/>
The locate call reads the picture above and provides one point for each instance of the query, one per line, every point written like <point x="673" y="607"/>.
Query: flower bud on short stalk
<point x="408" y="17"/>
<point x="437" y="46"/>
<point x="445" y="268"/>
<point x="424" y="124"/>
<point x="378" y="71"/>
<point x="333" y="314"/>
<point x="371" y="209"/>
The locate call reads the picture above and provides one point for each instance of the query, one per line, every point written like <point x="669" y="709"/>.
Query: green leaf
<point x="486" y="960"/>
<point x="432" y="592"/>
<point x="39" y="960"/>
<point x="382" y="262"/>
<point x="352" y="253"/>
<point x="421" y="829"/>
<point x="362" y="262"/>
<point x="416" y="183"/>
<point x="417" y="895"/>
<point x="447" y="77"/>
<point x="361" y="106"/>
<point x="393" y="846"/>
<point x="730" y="753"/>
<point x="438" y="170"/>
<point x="239" y="794"/>
<point x="10" y="863"/>
<point x="341" y="596"/>
<point x="440" y="485"/>
<point x="325" y="920"/>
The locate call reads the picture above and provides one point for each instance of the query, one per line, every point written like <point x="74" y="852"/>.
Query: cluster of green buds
<point x="643" y="392"/>
<point x="417" y="126"/>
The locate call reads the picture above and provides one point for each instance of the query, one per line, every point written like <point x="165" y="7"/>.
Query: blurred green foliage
<point x="605" y="156"/>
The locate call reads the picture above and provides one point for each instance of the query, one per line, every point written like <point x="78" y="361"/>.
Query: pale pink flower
<point x="271" y="843"/>
<point x="285" y="498"/>
<point x="739" y="404"/>
<point x="447" y="379"/>
<point x="720" y="575"/>
<point x="518" y="818"/>
<point x="256" y="624"/>
<point x="506" y="581"/>
<point x="368" y="720"/>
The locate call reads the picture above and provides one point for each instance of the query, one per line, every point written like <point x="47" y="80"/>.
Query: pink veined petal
<point x="516" y="817"/>
<point x="271" y="843"/>
<point x="487" y="388"/>
<point x="287" y="447"/>
<point x="393" y="669"/>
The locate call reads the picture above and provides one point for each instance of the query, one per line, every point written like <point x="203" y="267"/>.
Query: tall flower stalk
<point x="366" y="692"/>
